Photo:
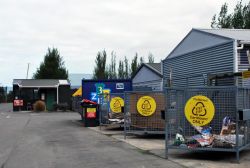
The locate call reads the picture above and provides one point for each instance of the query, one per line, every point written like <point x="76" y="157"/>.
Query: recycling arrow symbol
<point x="199" y="109"/>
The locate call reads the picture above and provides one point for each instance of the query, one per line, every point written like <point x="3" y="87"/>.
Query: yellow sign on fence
<point x="146" y="106"/>
<point x="199" y="110"/>
<point x="116" y="104"/>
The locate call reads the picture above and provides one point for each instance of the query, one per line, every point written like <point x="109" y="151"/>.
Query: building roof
<point x="46" y="83"/>
<point x="236" y="34"/>
<point x="154" y="67"/>
<point x="198" y="39"/>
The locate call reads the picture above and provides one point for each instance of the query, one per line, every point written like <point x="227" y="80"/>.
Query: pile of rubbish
<point x="205" y="137"/>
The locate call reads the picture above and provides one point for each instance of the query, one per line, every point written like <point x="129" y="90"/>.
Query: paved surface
<point x="57" y="140"/>
<point x="156" y="145"/>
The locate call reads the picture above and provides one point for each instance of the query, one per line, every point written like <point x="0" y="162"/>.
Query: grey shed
<point x="148" y="77"/>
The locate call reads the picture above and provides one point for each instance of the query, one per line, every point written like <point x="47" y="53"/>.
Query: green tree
<point x="134" y="65"/>
<point x="126" y="68"/>
<point x="10" y="96"/>
<point x="141" y="61"/>
<point x="52" y="67"/>
<point x="214" y="22"/>
<point x="224" y="20"/>
<point x="121" y="72"/>
<point x="100" y="71"/>
<point x="112" y="67"/>
<point x="2" y="94"/>
<point x="151" y="58"/>
<point x="246" y="16"/>
<point x="239" y="19"/>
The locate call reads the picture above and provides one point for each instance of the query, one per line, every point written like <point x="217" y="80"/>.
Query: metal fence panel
<point x="76" y="104"/>
<point x="111" y="109"/>
<point x="137" y="123"/>
<point x="227" y="131"/>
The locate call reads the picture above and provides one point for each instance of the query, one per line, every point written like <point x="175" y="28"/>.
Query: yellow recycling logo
<point x="199" y="110"/>
<point x="116" y="104"/>
<point x="146" y="106"/>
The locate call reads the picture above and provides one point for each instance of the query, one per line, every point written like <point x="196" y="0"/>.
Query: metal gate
<point x="208" y="119"/>
<point x="111" y="108"/>
<point x="144" y="113"/>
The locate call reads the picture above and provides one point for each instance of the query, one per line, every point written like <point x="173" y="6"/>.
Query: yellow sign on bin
<point x="146" y="106"/>
<point x="199" y="110"/>
<point x="91" y="113"/>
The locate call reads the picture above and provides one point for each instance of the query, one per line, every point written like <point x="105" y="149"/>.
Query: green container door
<point x="50" y="100"/>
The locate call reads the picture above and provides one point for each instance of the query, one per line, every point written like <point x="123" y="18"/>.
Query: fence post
<point x="166" y="126"/>
<point x="125" y="114"/>
<point x="237" y="123"/>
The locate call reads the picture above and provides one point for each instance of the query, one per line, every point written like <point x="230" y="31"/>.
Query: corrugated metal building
<point x="204" y="52"/>
<point x="148" y="77"/>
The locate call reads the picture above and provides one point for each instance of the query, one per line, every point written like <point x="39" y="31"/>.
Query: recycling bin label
<point x="116" y="104"/>
<point x="91" y="113"/>
<point x="199" y="110"/>
<point x="146" y="106"/>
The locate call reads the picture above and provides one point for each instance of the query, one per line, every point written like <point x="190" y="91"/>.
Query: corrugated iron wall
<point x="155" y="85"/>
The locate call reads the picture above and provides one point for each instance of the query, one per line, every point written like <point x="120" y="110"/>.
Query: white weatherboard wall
<point x="147" y="78"/>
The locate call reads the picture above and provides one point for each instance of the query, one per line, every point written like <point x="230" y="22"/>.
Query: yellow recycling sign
<point x="146" y="106"/>
<point x="199" y="110"/>
<point x="116" y="104"/>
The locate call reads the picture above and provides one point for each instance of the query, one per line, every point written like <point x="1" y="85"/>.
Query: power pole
<point x="28" y="71"/>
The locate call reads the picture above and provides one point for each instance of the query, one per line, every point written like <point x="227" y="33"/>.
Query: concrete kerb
<point x="137" y="141"/>
<point x="156" y="147"/>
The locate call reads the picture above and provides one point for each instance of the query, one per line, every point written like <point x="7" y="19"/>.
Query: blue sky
<point x="81" y="28"/>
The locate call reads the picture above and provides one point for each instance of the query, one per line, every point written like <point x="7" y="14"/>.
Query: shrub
<point x="39" y="106"/>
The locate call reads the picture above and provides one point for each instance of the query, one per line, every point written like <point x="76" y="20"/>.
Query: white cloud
<point x="81" y="28"/>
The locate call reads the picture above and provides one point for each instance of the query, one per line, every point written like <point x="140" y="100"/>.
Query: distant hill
<point x="76" y="79"/>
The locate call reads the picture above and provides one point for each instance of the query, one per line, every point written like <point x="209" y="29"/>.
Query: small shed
<point x="204" y="52"/>
<point x="148" y="77"/>
<point x="51" y="91"/>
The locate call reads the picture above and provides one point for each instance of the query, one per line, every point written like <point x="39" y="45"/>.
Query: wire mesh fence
<point x="111" y="109"/>
<point x="76" y="104"/>
<point x="208" y="118"/>
<point x="144" y="113"/>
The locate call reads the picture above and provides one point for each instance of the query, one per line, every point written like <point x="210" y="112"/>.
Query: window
<point x="243" y="56"/>
<point x="36" y="97"/>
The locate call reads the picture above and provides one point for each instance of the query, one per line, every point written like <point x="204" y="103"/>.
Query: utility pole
<point x="28" y="71"/>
